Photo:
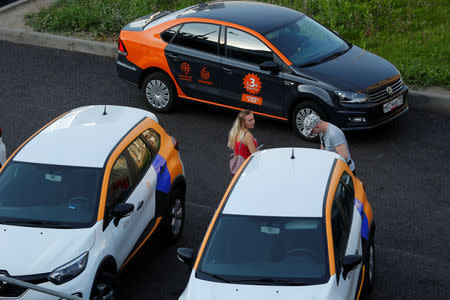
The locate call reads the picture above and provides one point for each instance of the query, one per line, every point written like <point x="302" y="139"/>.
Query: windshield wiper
<point x="215" y="276"/>
<point x="329" y="57"/>
<point x="268" y="281"/>
<point x="35" y="223"/>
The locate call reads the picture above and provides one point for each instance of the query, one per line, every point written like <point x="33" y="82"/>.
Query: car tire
<point x="299" y="114"/>
<point x="106" y="286"/>
<point x="173" y="219"/>
<point x="159" y="91"/>
<point x="369" y="265"/>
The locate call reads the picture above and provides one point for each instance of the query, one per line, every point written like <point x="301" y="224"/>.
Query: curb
<point x="58" y="42"/>
<point x="429" y="100"/>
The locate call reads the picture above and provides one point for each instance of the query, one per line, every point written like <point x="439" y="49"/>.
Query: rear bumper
<point x="127" y="71"/>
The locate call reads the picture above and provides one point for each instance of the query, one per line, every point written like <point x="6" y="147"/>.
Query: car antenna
<point x="104" y="112"/>
<point x="292" y="156"/>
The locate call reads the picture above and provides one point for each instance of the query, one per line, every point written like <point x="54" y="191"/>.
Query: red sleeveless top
<point x="244" y="152"/>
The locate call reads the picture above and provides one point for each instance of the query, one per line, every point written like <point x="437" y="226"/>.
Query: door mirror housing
<point x="186" y="255"/>
<point x="122" y="210"/>
<point x="269" y="66"/>
<point x="349" y="263"/>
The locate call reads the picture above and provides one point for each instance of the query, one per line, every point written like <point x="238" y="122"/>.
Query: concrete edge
<point x="58" y="42"/>
<point x="429" y="100"/>
<point x="14" y="4"/>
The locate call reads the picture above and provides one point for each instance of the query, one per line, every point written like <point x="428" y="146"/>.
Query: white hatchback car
<point x="81" y="196"/>
<point x="293" y="224"/>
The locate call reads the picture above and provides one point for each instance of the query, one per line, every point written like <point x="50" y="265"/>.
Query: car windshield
<point x="48" y="195"/>
<point x="266" y="250"/>
<point x="305" y="42"/>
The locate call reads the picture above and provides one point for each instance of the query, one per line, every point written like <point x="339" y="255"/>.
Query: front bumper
<point x="127" y="71"/>
<point x="371" y="114"/>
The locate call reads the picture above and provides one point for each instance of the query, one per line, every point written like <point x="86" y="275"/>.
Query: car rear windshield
<point x="266" y="250"/>
<point x="48" y="195"/>
<point x="306" y="42"/>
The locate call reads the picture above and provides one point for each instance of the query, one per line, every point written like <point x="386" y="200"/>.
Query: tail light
<point x="175" y="143"/>
<point x="121" y="48"/>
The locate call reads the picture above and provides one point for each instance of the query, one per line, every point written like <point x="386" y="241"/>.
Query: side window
<point x="169" y="33"/>
<point x="140" y="156"/>
<point x="245" y="47"/>
<point x="199" y="36"/>
<point x="339" y="235"/>
<point x="153" y="139"/>
<point x="120" y="182"/>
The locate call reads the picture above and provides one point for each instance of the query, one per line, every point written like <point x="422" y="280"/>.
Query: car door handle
<point x="140" y="205"/>
<point x="173" y="56"/>
<point x="288" y="82"/>
<point x="229" y="71"/>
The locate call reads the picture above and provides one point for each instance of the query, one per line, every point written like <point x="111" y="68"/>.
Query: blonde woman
<point x="240" y="139"/>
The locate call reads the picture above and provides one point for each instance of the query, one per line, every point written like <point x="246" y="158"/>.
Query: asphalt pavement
<point x="404" y="166"/>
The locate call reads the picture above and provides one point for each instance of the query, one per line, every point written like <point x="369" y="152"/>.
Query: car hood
<point x="32" y="250"/>
<point x="208" y="290"/>
<point x="355" y="70"/>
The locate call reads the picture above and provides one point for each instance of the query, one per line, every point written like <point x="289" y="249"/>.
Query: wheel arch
<point x="179" y="183"/>
<point x="307" y="97"/>
<point x="145" y="73"/>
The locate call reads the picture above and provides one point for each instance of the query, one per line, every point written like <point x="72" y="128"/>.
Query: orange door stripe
<point x="232" y="107"/>
<point x="362" y="281"/>
<point x="24" y="143"/>
<point x="218" y="210"/>
<point x="143" y="242"/>
<point x="338" y="169"/>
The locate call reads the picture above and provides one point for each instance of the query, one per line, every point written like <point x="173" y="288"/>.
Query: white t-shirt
<point x="334" y="137"/>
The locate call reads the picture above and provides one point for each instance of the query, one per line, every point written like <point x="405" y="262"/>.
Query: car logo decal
<point x="185" y="68"/>
<point x="389" y="90"/>
<point x="252" y="84"/>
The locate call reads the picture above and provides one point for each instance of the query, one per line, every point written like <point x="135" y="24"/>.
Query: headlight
<point x="70" y="270"/>
<point x="351" y="97"/>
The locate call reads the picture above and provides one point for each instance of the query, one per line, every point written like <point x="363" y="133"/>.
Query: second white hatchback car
<point x="293" y="224"/>
<point x="81" y="196"/>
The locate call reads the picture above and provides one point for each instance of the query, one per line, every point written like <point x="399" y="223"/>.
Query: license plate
<point x="387" y="107"/>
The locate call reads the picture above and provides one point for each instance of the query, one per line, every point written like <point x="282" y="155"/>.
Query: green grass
<point x="413" y="34"/>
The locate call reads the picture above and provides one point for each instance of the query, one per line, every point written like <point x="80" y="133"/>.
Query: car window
<point x="306" y="41"/>
<point x="252" y="248"/>
<point x="140" y="156"/>
<point x="245" y="47"/>
<point x="199" y="36"/>
<point x="153" y="139"/>
<point x="169" y="33"/>
<point x="120" y="182"/>
<point x="52" y="194"/>
<point x="342" y="216"/>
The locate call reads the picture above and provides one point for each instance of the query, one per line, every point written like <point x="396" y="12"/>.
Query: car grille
<point x="385" y="91"/>
<point x="11" y="291"/>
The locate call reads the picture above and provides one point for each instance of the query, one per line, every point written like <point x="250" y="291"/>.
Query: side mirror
<point x="122" y="210"/>
<point x="269" y="66"/>
<point x="186" y="255"/>
<point x="349" y="263"/>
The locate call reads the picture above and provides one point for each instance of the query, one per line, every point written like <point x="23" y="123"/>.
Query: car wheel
<point x="369" y="265"/>
<point x="106" y="287"/>
<point x="173" y="222"/>
<point x="300" y="113"/>
<point x="159" y="91"/>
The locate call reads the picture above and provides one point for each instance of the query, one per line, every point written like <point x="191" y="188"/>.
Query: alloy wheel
<point x="300" y="118"/>
<point x="177" y="216"/>
<point x="157" y="93"/>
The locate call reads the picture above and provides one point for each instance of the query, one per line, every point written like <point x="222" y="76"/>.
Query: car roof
<point x="273" y="184"/>
<point x="258" y="16"/>
<point x="82" y="137"/>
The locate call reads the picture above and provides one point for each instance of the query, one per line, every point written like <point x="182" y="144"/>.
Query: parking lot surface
<point x="404" y="166"/>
